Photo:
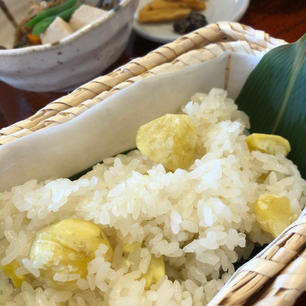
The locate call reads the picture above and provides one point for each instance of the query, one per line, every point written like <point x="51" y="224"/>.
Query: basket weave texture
<point x="276" y="276"/>
<point x="199" y="46"/>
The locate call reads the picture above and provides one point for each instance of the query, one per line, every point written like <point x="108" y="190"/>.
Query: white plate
<point x="216" y="10"/>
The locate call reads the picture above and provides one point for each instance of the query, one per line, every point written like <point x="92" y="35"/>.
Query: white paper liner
<point x="110" y="127"/>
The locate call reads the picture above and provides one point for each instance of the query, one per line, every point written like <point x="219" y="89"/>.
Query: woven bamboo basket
<point x="277" y="275"/>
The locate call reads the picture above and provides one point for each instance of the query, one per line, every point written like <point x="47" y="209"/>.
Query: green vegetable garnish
<point x="274" y="97"/>
<point x="53" y="11"/>
<point x="42" y="26"/>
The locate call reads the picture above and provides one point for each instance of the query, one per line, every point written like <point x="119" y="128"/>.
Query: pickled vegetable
<point x="190" y="23"/>
<point x="155" y="271"/>
<point x="273" y="213"/>
<point x="10" y="271"/>
<point x="65" y="249"/>
<point x="169" y="140"/>
<point x="267" y="143"/>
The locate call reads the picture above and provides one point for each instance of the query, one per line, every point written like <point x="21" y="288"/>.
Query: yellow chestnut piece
<point x="169" y="140"/>
<point x="156" y="271"/>
<point x="65" y="248"/>
<point x="130" y="247"/>
<point x="10" y="271"/>
<point x="273" y="213"/>
<point x="268" y="143"/>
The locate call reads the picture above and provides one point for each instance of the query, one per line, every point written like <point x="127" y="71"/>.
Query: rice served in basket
<point x="199" y="221"/>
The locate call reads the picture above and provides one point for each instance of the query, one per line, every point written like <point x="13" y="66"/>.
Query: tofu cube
<point x="84" y="15"/>
<point x="57" y="30"/>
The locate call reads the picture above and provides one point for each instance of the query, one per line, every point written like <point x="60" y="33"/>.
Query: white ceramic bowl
<point x="71" y="61"/>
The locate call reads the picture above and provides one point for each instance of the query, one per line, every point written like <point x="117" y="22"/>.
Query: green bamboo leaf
<point x="274" y="97"/>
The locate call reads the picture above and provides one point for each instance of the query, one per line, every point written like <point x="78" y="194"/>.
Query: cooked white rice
<point x="201" y="220"/>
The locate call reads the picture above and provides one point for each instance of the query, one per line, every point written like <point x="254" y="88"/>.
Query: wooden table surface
<point x="284" y="19"/>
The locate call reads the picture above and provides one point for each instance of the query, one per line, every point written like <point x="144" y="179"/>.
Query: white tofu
<point x="84" y="15"/>
<point x="57" y="30"/>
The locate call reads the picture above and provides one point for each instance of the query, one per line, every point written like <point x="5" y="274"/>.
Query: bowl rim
<point x="67" y="40"/>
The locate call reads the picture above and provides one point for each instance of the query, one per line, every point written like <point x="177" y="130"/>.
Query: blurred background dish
<point x="72" y="60"/>
<point x="216" y="10"/>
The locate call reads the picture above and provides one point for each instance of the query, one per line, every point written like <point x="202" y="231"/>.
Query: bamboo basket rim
<point x="65" y="108"/>
<point x="275" y="276"/>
